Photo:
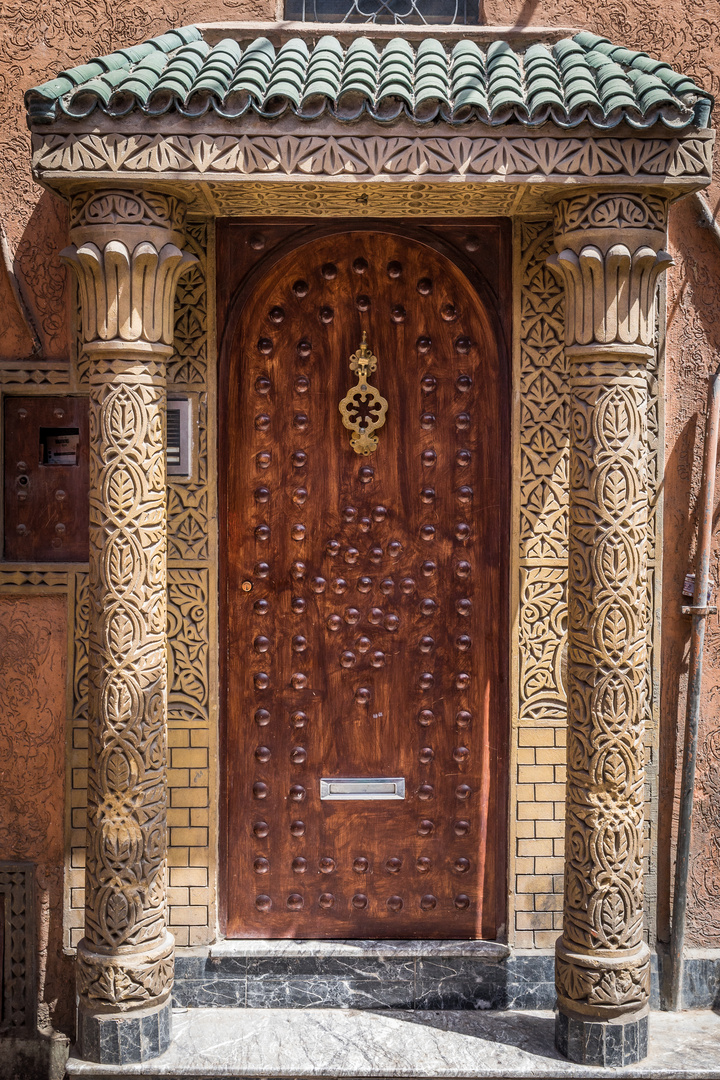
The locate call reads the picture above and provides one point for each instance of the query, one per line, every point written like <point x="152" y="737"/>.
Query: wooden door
<point x="366" y="600"/>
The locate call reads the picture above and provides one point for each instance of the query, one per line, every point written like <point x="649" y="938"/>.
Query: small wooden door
<point x="366" y="601"/>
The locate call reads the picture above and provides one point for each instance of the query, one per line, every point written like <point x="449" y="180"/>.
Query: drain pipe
<point x="699" y="612"/>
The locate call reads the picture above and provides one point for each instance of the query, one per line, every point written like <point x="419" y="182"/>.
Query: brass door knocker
<point x="363" y="409"/>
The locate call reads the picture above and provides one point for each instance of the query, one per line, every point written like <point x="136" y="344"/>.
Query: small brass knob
<point x="246" y="586"/>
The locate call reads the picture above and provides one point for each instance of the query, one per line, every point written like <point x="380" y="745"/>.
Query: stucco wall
<point x="33" y="655"/>
<point x="36" y="41"/>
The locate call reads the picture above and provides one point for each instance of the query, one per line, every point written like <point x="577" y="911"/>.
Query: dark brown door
<point x="366" y="601"/>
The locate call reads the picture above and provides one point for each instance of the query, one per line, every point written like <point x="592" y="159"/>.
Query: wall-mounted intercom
<point x="46" y="479"/>
<point x="46" y="516"/>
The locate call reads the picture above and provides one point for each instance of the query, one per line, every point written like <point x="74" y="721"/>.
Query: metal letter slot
<point x="362" y="787"/>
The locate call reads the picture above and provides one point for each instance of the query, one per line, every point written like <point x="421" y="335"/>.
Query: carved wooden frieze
<point x="488" y="156"/>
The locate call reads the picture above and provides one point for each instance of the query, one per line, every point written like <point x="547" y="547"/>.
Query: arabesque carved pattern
<point x="126" y="956"/>
<point x="127" y="208"/>
<point x="543" y="492"/>
<point x="598" y="210"/>
<point x="188" y="616"/>
<point x="313" y="155"/>
<point x="80" y="647"/>
<point x="407" y="199"/>
<point x="602" y="962"/>
<point x="188" y="500"/>
<point x="127" y="796"/>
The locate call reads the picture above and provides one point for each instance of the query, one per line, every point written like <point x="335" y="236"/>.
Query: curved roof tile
<point x="581" y="79"/>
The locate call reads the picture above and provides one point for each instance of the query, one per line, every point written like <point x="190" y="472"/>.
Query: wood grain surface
<point x="371" y="639"/>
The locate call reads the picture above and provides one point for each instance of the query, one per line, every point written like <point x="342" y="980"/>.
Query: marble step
<point x="363" y="975"/>
<point x="329" y="1044"/>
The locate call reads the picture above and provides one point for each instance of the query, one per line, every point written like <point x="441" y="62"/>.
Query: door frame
<point x="231" y="294"/>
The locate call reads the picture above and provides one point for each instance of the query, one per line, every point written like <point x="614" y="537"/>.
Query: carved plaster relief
<point x="602" y="963"/>
<point x="323" y="155"/>
<point x="190" y="540"/>
<point x="126" y="256"/>
<point x="544" y="432"/>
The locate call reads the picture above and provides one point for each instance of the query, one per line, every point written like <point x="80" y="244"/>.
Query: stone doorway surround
<point x="607" y="172"/>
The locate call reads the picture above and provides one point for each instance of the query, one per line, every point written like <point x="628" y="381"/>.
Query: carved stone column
<point x="610" y="257"/>
<point x="126" y="253"/>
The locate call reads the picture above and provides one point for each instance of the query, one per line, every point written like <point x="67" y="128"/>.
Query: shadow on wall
<point x="692" y="353"/>
<point x="33" y="649"/>
<point x="36" y="305"/>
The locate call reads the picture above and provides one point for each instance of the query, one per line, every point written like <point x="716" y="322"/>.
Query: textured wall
<point x="38" y="39"/>
<point x="33" y="650"/>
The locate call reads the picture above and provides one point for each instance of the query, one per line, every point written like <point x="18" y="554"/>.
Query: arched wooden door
<point x="367" y="601"/>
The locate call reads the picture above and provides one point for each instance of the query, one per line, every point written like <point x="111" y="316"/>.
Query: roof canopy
<point x="578" y="79"/>
<point x="295" y="119"/>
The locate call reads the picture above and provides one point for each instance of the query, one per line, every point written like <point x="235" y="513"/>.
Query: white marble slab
<point x="480" y="950"/>
<point x="329" y="1043"/>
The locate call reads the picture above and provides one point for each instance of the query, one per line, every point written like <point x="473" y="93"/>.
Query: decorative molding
<point x="34" y="375"/>
<point x="187" y="367"/>
<point x="18" y="975"/>
<point x="25" y="579"/>
<point x="544" y="157"/>
<point x="189" y="502"/>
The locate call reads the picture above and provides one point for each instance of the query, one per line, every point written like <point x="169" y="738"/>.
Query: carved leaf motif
<point x="613" y="915"/>
<point x="116" y="912"/>
<point x="615" y="772"/>
<point x="615" y="631"/>
<point x="118" y="771"/>
<point x="615" y="491"/>
<point x="120" y="635"/>
<point x="121" y="491"/>
<point x="122" y="565"/>
<point x="118" y="702"/>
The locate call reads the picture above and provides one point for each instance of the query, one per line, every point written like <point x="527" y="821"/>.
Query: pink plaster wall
<point x="33" y="663"/>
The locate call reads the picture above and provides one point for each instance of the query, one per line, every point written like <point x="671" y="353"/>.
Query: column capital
<point x="610" y="255"/>
<point x="127" y="253"/>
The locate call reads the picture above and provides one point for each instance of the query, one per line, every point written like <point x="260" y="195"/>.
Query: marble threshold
<point x="325" y="1044"/>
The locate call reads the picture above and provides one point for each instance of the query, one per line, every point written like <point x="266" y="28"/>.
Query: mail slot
<point x="362" y="787"/>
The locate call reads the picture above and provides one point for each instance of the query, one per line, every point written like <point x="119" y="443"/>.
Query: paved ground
<point x="326" y="1043"/>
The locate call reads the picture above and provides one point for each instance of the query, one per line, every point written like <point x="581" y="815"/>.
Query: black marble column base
<point x="121" y="1038"/>
<point x="610" y="1043"/>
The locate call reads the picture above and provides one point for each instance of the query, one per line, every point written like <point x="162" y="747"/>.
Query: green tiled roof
<point x="584" y="78"/>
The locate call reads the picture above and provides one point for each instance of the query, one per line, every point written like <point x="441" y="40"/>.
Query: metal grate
<point x="448" y="12"/>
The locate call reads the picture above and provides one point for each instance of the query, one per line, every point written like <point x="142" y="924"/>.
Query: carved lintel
<point x="127" y="258"/>
<point x="610" y="258"/>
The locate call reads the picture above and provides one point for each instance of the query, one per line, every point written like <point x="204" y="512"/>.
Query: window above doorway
<point x="414" y="12"/>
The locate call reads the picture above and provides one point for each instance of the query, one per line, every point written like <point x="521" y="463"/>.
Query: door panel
<point x="371" y="640"/>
